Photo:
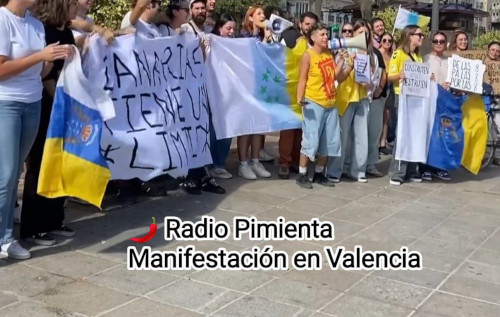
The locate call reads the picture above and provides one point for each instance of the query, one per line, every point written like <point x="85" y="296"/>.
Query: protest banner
<point x="417" y="79"/>
<point x="362" y="68"/>
<point x="466" y="74"/>
<point x="161" y="104"/>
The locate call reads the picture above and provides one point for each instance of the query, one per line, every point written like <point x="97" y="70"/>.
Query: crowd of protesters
<point x="346" y="124"/>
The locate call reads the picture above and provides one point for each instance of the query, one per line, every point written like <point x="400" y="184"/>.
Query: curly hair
<point x="53" y="12"/>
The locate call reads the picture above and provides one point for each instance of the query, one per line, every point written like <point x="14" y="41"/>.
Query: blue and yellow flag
<point x="72" y="163"/>
<point x="460" y="132"/>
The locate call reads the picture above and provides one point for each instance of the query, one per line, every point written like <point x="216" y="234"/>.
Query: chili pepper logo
<point x="152" y="232"/>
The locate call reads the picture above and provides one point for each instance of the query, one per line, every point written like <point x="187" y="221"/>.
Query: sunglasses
<point x="440" y="42"/>
<point x="387" y="41"/>
<point x="347" y="31"/>
<point x="420" y="35"/>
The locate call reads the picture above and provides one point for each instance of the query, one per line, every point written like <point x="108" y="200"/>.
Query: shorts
<point x="320" y="131"/>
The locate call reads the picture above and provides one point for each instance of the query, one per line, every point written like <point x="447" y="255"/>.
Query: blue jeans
<point x="320" y="131"/>
<point x="354" y="136"/>
<point x="219" y="148"/>
<point x="18" y="128"/>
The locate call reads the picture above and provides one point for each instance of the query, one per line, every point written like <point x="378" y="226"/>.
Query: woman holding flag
<point x="24" y="57"/>
<point x="407" y="51"/>
<point x="439" y="67"/>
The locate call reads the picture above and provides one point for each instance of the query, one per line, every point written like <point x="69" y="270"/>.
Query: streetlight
<point x="435" y="17"/>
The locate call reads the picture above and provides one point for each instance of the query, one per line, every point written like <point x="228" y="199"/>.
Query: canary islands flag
<point x="405" y="18"/>
<point x="72" y="163"/>
<point x="253" y="86"/>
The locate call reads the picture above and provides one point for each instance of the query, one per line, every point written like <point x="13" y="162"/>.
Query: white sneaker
<point x="15" y="251"/>
<point x="259" y="170"/>
<point x="264" y="156"/>
<point x="17" y="213"/>
<point x="219" y="172"/>
<point x="246" y="172"/>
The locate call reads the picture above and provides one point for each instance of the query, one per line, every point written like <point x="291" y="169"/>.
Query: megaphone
<point x="358" y="42"/>
<point x="275" y="23"/>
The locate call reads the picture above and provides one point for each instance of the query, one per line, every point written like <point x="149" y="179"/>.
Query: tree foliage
<point x="110" y="13"/>
<point x="483" y="40"/>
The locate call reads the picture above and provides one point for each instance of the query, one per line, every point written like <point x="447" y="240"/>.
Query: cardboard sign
<point x="417" y="80"/>
<point x="470" y="54"/>
<point x="492" y="74"/>
<point x="466" y="74"/>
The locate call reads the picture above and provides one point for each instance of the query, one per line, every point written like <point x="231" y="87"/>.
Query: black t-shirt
<point x="381" y="64"/>
<point x="54" y="35"/>
<point x="290" y="35"/>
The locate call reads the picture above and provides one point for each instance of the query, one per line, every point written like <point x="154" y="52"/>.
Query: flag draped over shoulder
<point x="252" y="86"/>
<point x="72" y="164"/>
<point x="405" y="18"/>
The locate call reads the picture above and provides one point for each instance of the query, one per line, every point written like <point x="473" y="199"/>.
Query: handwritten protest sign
<point x="417" y="80"/>
<point x="466" y="74"/>
<point x="362" y="68"/>
<point x="161" y="104"/>
<point x="492" y="74"/>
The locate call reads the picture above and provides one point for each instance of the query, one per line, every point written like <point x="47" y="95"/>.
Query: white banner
<point x="466" y="74"/>
<point x="161" y="104"/>
<point x="417" y="80"/>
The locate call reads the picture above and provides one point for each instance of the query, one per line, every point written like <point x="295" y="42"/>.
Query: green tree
<point x="109" y="13"/>
<point x="482" y="41"/>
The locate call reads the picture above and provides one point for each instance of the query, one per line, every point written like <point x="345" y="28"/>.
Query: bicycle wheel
<point x="489" y="155"/>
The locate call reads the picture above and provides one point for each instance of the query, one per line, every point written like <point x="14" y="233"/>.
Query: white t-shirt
<point x="126" y="21"/>
<point x="21" y="37"/>
<point x="148" y="30"/>
<point x="78" y="33"/>
<point x="166" y="30"/>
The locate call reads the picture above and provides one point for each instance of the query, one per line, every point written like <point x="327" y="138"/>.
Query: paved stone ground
<point x="456" y="227"/>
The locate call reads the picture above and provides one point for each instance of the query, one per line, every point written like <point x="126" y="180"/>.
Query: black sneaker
<point x="385" y="151"/>
<point x="303" y="181"/>
<point x="64" y="232"/>
<point x="321" y="179"/>
<point x="284" y="172"/>
<point x="210" y="185"/>
<point x="192" y="187"/>
<point x="42" y="239"/>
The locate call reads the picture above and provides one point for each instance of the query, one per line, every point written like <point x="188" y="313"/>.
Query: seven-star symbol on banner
<point x="271" y="82"/>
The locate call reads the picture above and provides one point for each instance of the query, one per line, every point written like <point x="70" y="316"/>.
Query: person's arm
<point x="50" y="87"/>
<point x="380" y="88"/>
<point x="47" y="68"/>
<point x="303" y="71"/>
<point x="81" y="24"/>
<point x="12" y="67"/>
<point x="345" y="72"/>
<point x="138" y="10"/>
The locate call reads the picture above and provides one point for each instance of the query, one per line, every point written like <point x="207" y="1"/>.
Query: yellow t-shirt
<point x="349" y="90"/>
<point x="396" y="66"/>
<point x="320" y="86"/>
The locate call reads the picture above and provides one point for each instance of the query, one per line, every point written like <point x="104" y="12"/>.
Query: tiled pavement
<point x="456" y="227"/>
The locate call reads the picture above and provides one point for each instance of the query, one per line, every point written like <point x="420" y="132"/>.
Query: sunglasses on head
<point x="386" y="41"/>
<point x="420" y="35"/>
<point x="440" y="42"/>
<point x="347" y="31"/>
